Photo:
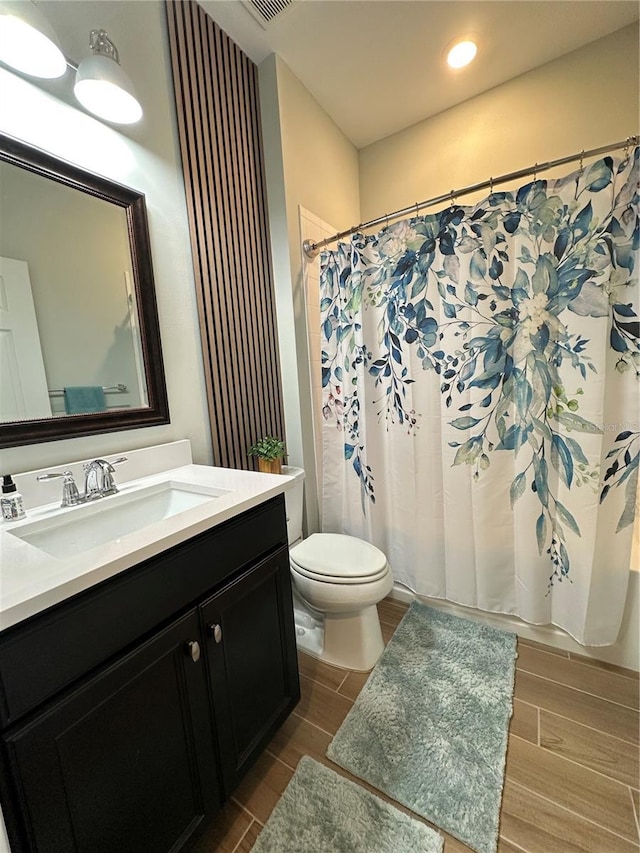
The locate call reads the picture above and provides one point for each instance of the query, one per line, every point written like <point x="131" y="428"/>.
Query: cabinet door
<point x="253" y="667"/>
<point x="127" y="762"/>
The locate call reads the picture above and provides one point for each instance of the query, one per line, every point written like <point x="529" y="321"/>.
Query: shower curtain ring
<point x="535" y="173"/>
<point x="581" y="170"/>
<point x="627" y="144"/>
<point x="490" y="187"/>
<point x="452" y="200"/>
<point x="417" y="209"/>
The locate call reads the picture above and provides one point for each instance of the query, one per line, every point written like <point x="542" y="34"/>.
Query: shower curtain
<point x="481" y="394"/>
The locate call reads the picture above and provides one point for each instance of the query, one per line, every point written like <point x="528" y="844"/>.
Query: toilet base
<point x="353" y="641"/>
<point x="346" y="640"/>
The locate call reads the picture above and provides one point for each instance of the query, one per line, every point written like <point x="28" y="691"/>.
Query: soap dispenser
<point x="11" y="500"/>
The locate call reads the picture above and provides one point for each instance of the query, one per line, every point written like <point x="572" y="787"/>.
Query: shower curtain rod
<point x="311" y="249"/>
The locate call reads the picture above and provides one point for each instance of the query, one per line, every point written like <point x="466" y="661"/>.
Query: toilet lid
<point x="338" y="558"/>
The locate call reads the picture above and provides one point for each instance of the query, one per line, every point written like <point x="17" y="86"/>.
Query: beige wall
<point x="145" y="156"/>
<point x="309" y="163"/>
<point x="583" y="100"/>
<point x="321" y="165"/>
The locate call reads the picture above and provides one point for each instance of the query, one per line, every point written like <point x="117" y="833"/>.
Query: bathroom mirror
<point x="80" y="345"/>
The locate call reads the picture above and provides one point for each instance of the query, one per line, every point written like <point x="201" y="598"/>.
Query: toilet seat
<point x="338" y="559"/>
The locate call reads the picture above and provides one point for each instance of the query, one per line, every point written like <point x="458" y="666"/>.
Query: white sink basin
<point x="109" y="519"/>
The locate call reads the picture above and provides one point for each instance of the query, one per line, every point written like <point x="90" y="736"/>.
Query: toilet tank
<point x="294" y="500"/>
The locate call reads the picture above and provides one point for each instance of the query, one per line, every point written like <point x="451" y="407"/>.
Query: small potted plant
<point x="269" y="451"/>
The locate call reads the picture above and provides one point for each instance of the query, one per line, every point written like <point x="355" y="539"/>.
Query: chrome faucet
<point x="98" y="479"/>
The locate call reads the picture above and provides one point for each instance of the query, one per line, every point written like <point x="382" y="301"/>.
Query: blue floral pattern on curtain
<point x="481" y="295"/>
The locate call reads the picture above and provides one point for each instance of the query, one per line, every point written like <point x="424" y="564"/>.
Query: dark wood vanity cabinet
<point x="139" y="751"/>
<point x="251" y="661"/>
<point x="124" y="762"/>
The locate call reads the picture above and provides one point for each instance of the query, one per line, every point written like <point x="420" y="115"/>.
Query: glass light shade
<point x="461" y="54"/>
<point x="28" y="42"/>
<point x="104" y="89"/>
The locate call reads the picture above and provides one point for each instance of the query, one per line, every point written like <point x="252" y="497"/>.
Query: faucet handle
<point x="108" y="484"/>
<point x="104" y="464"/>
<point x="95" y="463"/>
<point x="70" y="493"/>
<point x="50" y="475"/>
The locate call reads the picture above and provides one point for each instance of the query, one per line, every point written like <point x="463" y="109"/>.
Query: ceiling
<point x="377" y="66"/>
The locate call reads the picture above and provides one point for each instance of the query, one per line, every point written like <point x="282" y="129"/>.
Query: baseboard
<point x="623" y="653"/>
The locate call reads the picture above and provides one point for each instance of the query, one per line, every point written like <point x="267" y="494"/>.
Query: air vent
<point x="266" y="11"/>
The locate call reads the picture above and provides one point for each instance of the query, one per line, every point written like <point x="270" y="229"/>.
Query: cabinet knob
<point x="215" y="631"/>
<point x="192" y="648"/>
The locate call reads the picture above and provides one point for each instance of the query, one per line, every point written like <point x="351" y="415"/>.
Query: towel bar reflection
<point x="120" y="388"/>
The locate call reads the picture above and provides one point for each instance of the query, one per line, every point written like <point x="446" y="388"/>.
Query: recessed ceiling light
<point x="461" y="53"/>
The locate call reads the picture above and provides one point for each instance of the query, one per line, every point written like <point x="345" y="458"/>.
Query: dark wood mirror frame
<point x="15" y="433"/>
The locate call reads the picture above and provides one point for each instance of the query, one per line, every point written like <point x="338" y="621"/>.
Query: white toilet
<point x="337" y="582"/>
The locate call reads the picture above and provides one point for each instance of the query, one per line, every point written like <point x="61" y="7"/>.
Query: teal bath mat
<point x="322" y="812"/>
<point x="430" y="726"/>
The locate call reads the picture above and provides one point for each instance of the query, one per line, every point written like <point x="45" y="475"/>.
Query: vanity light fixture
<point x="102" y="86"/>
<point x="29" y="44"/>
<point x="461" y="53"/>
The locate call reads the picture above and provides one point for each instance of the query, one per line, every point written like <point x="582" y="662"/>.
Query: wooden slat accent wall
<point x="216" y="89"/>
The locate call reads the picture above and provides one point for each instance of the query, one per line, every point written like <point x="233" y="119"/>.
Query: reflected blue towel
<point x="81" y="399"/>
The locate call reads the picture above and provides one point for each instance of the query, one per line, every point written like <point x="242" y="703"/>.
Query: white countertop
<point x="31" y="580"/>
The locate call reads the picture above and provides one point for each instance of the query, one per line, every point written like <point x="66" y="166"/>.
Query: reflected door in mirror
<point x="23" y="384"/>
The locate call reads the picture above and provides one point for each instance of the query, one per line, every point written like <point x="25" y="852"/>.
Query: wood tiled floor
<point x="572" y="777"/>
